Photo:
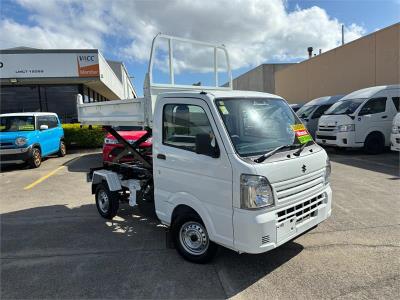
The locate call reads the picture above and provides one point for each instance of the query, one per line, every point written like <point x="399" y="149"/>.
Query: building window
<point x="85" y="94"/>
<point x="19" y="99"/>
<point x="61" y="99"/>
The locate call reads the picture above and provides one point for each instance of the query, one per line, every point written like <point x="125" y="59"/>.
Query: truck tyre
<point x="107" y="202"/>
<point x="62" y="151"/>
<point x="374" y="143"/>
<point x="191" y="239"/>
<point x="36" y="158"/>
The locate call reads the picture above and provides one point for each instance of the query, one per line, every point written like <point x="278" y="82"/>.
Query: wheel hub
<point x="103" y="201"/>
<point x="194" y="238"/>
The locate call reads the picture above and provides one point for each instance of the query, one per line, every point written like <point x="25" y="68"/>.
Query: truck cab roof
<point x="224" y="94"/>
<point x="369" y="92"/>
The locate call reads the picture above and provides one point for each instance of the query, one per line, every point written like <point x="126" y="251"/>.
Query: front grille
<point x="300" y="187"/>
<point x="301" y="212"/>
<point x="398" y="141"/>
<point x="326" y="137"/>
<point x="326" y="128"/>
<point x="265" y="239"/>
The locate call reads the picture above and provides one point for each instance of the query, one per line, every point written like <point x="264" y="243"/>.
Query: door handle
<point x="161" y="156"/>
<point x="384" y="117"/>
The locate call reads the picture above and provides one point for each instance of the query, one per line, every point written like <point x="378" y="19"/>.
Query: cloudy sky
<point x="255" y="32"/>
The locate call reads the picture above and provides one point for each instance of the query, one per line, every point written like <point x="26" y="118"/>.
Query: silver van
<point x="313" y="110"/>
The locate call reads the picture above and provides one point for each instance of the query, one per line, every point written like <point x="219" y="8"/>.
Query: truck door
<point x="372" y="116"/>
<point x="44" y="135"/>
<point x="182" y="176"/>
<point x="312" y="124"/>
<point x="56" y="133"/>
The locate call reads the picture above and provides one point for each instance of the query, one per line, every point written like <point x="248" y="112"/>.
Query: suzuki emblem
<point x="304" y="168"/>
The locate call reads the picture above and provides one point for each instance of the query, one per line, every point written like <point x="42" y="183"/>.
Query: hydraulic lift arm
<point x="131" y="148"/>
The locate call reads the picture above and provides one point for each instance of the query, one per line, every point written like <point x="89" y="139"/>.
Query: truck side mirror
<point x="203" y="145"/>
<point x="43" y="127"/>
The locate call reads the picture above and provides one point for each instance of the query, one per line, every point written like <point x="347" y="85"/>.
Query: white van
<point x="230" y="168"/>
<point x="361" y="119"/>
<point x="314" y="109"/>
<point x="395" y="136"/>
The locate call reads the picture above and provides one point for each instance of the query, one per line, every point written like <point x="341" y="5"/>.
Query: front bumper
<point x="395" y="142"/>
<point x="337" y="139"/>
<point x="15" y="155"/>
<point x="258" y="231"/>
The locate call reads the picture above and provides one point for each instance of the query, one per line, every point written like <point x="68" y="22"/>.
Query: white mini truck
<point x="229" y="168"/>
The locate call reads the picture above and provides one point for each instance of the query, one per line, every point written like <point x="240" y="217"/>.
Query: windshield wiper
<point x="270" y="153"/>
<point x="298" y="152"/>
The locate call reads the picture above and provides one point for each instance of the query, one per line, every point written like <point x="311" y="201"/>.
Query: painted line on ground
<point x="43" y="178"/>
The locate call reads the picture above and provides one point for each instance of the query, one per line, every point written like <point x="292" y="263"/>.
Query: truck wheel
<point x="191" y="239"/>
<point x="374" y="143"/>
<point x="107" y="202"/>
<point x="36" y="158"/>
<point x="63" y="149"/>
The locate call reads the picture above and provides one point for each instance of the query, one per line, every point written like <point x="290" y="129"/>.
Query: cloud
<point x="254" y="31"/>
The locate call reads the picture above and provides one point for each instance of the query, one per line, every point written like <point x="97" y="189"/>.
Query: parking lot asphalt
<point x="55" y="245"/>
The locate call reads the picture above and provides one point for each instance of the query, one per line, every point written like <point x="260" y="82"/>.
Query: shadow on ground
<point x="58" y="252"/>
<point x="386" y="163"/>
<point x="85" y="162"/>
<point x="5" y="167"/>
<point x="9" y="167"/>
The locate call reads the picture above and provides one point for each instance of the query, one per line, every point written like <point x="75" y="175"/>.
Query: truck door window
<point x="181" y="124"/>
<point x="374" y="106"/>
<point x="42" y="120"/>
<point x="52" y="120"/>
<point x="320" y="111"/>
<point x="396" y="102"/>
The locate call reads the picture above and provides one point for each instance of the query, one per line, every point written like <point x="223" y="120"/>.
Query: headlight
<point x="395" y="129"/>
<point x="110" y="141"/>
<point x="20" y="141"/>
<point x="255" y="192"/>
<point x="345" y="128"/>
<point x="328" y="170"/>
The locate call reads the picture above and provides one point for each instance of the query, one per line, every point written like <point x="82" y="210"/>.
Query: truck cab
<point x="206" y="150"/>
<point x="230" y="168"/>
<point x="361" y="119"/>
<point x="30" y="137"/>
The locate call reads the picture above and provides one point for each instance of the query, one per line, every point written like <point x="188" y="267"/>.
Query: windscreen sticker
<point x="26" y="127"/>
<point x="296" y="127"/>
<point x="301" y="133"/>
<point x="2" y="127"/>
<point x="224" y="110"/>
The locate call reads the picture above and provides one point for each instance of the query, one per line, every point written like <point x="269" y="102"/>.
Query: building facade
<point x="260" y="79"/>
<point x="368" y="61"/>
<point x="35" y="80"/>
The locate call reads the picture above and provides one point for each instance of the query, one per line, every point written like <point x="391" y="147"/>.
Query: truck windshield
<point x="305" y="111"/>
<point x="344" y="107"/>
<point x="17" y="123"/>
<point x="257" y="126"/>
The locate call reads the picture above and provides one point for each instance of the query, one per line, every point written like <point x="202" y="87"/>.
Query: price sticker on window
<point x="301" y="133"/>
<point x="223" y="109"/>
<point x="26" y="127"/>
